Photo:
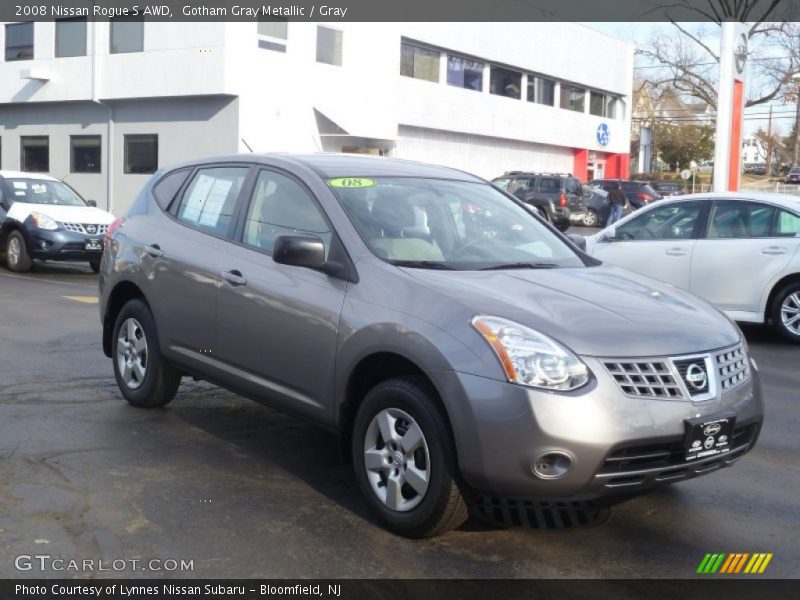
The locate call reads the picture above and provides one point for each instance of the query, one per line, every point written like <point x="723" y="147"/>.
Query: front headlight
<point x="531" y="358"/>
<point x="43" y="221"/>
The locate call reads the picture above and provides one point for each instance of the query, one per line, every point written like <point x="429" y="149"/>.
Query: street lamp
<point x="796" y="79"/>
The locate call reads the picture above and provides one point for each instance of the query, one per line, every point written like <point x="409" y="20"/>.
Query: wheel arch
<point x="123" y="292"/>
<point x="7" y="228"/>
<point x="773" y="293"/>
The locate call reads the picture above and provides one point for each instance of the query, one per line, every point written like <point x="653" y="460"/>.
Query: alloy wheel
<point x="396" y="459"/>
<point x="14" y="251"/>
<point x="790" y="313"/>
<point x="132" y="353"/>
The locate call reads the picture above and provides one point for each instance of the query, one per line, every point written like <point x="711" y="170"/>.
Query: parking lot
<point x="244" y="491"/>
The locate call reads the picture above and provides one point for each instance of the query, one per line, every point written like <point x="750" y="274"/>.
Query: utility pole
<point x="796" y="79"/>
<point x="768" y="144"/>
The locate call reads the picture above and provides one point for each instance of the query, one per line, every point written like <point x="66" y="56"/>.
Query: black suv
<point x="558" y="197"/>
<point x="638" y="193"/>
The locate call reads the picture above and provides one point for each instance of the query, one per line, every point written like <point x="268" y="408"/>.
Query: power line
<point x="706" y="64"/>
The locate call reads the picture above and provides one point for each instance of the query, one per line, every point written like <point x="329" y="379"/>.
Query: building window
<point x="84" y="154"/>
<point x="70" y="37"/>
<point x="276" y="29"/>
<point x="603" y="105"/>
<point x="127" y="35"/>
<point x="329" y="46"/>
<point x="141" y="153"/>
<point x="419" y="63"/>
<point x="541" y="90"/>
<point x="19" y="41"/>
<point x="572" y="98"/>
<point x="464" y="73"/>
<point x="504" y="82"/>
<point x="35" y="153"/>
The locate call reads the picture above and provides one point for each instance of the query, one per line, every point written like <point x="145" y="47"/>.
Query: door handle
<point x="234" y="277"/>
<point x="676" y="252"/>
<point x="773" y="250"/>
<point x="154" y="250"/>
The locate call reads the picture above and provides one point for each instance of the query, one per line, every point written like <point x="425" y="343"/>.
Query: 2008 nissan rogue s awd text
<point x="468" y="354"/>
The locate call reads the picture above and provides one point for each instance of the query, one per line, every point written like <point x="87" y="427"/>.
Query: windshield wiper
<point x="520" y="265"/>
<point x="422" y="264"/>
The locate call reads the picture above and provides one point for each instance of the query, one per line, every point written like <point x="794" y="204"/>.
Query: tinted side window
<point x="210" y="199"/>
<point x="736" y="220"/>
<point x="522" y="186"/>
<point x="281" y="207"/>
<point x="572" y="186"/>
<point x="165" y="190"/>
<point x="503" y="183"/>
<point x="672" y="222"/>
<point x="549" y="185"/>
<point x="787" y="225"/>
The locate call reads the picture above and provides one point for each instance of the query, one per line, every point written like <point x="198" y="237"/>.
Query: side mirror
<point x="610" y="236"/>
<point x="299" y="251"/>
<point x="92" y="203"/>
<point x="578" y="240"/>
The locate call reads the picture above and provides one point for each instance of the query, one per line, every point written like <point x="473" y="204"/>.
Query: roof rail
<point x="538" y="173"/>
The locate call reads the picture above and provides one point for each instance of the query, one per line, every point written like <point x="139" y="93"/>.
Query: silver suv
<point x="468" y="354"/>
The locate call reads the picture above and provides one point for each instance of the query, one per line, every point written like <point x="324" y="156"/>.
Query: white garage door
<point x="484" y="156"/>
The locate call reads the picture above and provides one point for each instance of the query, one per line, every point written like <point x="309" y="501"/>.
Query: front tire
<point x="562" y="226"/>
<point x="404" y="460"/>
<point x="143" y="376"/>
<point x="17" y="256"/>
<point x="786" y="312"/>
<point x="591" y="218"/>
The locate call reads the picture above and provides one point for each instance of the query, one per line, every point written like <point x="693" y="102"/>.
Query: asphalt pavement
<point x="244" y="491"/>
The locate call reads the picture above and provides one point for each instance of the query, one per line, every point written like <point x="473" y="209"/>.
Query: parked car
<point x="667" y="188"/>
<point x="597" y="207"/>
<point x="793" y="176"/>
<point x="739" y="251"/>
<point x="638" y="193"/>
<point x="756" y="169"/>
<point x="44" y="218"/>
<point x="557" y="197"/>
<point x="470" y="358"/>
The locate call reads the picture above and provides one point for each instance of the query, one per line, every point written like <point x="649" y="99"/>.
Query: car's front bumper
<point x="618" y="444"/>
<point x="62" y="245"/>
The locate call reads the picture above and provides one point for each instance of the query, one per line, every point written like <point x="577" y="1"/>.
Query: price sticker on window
<point x="351" y="182"/>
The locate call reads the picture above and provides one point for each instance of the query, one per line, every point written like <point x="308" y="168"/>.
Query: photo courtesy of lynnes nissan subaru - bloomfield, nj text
<point x="469" y="355"/>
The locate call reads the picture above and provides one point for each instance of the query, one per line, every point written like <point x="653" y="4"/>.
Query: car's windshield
<point x="40" y="191"/>
<point x="439" y="224"/>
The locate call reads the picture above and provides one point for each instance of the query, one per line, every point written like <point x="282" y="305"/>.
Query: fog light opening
<point x="552" y="465"/>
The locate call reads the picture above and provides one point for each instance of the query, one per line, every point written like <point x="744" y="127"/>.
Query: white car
<point x="42" y="217"/>
<point x="737" y="250"/>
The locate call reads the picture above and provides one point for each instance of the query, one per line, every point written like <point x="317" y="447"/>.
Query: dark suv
<point x="638" y="193"/>
<point x="558" y="197"/>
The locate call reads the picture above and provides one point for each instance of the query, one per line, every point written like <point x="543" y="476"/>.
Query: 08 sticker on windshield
<point x="351" y="182"/>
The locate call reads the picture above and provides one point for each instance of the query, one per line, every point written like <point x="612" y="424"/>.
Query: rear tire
<point x="143" y="376"/>
<point x="786" y="312"/>
<point x="17" y="257"/>
<point x="412" y="482"/>
<point x="543" y="214"/>
<point x="562" y="226"/>
<point x="95" y="265"/>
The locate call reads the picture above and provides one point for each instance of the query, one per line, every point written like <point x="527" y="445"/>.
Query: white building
<point x="101" y="105"/>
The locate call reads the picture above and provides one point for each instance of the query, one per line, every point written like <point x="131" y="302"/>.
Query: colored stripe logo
<point x="734" y="563"/>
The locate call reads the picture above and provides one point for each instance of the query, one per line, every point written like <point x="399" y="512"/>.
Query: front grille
<point x="84" y="228"/>
<point x="72" y="248"/>
<point x="645" y="379"/>
<point x="698" y="377"/>
<point x="733" y="368"/>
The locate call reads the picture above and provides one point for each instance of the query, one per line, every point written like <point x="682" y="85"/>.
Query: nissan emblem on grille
<point x="91" y="229"/>
<point x="696" y="376"/>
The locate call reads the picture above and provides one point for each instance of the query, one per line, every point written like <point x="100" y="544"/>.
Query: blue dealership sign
<point x="602" y="134"/>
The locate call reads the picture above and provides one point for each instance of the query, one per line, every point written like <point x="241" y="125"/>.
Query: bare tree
<point x="689" y="59"/>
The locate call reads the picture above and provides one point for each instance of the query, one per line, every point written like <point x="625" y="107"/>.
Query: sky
<point x="640" y="32"/>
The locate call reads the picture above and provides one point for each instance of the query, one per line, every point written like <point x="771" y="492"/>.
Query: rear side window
<point x="210" y="199"/>
<point x="787" y="225"/>
<point x="739" y="220"/>
<point x="572" y="186"/>
<point x="280" y="206"/>
<point x="549" y="185"/>
<point x="165" y="190"/>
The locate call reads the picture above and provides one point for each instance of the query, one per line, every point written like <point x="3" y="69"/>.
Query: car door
<point x="278" y="324"/>
<point x="181" y="259"/>
<point x="572" y="188"/>
<point x="740" y="254"/>
<point x="658" y="241"/>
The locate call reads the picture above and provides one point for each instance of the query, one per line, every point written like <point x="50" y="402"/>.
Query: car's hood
<point x="64" y="214"/>
<point x="595" y="311"/>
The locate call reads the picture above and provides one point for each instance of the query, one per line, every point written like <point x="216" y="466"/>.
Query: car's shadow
<point x="52" y="268"/>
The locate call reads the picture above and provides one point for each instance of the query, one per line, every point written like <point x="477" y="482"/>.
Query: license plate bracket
<point x="93" y="245"/>
<point x="708" y="436"/>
